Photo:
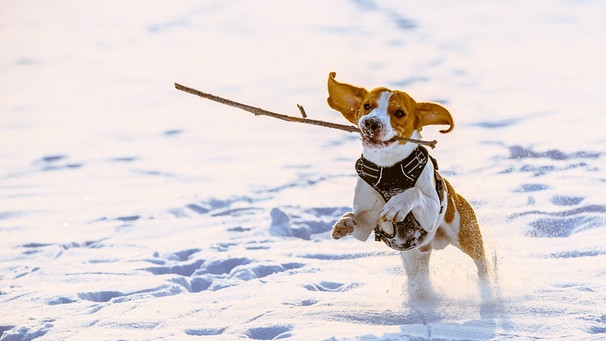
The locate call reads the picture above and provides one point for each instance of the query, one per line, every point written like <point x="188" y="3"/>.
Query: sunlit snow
<point x="130" y="210"/>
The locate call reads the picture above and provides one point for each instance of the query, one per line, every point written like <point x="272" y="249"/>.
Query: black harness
<point x="390" y="181"/>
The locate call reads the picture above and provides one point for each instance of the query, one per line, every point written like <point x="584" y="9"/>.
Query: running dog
<point x="400" y="195"/>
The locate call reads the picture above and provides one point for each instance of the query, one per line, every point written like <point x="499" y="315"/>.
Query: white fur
<point x="380" y="113"/>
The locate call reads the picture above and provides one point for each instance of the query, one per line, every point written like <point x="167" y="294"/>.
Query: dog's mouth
<point x="374" y="143"/>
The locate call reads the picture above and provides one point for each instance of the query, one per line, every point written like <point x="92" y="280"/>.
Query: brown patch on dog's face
<point x="403" y="114"/>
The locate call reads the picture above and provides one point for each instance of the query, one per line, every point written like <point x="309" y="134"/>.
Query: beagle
<point x="400" y="195"/>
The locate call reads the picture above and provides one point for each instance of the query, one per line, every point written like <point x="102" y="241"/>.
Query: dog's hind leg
<point x="469" y="237"/>
<point x="470" y="241"/>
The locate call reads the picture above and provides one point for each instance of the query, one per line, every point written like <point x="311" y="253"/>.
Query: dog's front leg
<point x="425" y="208"/>
<point x="365" y="216"/>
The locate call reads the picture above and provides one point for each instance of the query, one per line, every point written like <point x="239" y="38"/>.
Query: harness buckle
<point x="377" y="234"/>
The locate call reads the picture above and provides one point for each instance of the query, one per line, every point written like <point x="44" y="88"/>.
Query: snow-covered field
<point x="130" y="210"/>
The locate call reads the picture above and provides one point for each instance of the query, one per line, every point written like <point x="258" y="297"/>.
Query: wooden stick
<point x="262" y="112"/>
<point x="303" y="113"/>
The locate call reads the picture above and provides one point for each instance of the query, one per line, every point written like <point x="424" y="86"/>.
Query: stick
<point x="303" y="113"/>
<point x="303" y="119"/>
<point x="263" y="112"/>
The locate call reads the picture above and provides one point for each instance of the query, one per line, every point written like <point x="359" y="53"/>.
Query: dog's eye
<point x="366" y="106"/>
<point x="399" y="113"/>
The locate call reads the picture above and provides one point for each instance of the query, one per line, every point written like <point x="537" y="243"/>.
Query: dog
<point x="400" y="195"/>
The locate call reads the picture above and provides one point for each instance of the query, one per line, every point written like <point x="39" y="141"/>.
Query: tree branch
<point x="303" y="119"/>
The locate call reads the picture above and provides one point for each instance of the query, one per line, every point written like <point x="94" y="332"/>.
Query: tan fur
<point x="450" y="208"/>
<point x="469" y="236"/>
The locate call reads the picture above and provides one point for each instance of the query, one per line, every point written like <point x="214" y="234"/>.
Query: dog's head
<point x="382" y="114"/>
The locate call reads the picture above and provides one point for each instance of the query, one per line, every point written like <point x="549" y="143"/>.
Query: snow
<point x="131" y="210"/>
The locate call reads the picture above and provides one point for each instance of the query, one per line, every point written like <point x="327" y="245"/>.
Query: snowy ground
<point x="130" y="210"/>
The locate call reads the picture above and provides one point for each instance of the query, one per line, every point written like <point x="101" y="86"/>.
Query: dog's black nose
<point x="371" y="126"/>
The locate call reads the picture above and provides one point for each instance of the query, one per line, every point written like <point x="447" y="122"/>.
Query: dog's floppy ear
<point x="434" y="114"/>
<point x="345" y="98"/>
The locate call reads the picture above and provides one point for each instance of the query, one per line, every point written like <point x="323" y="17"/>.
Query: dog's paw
<point x="396" y="209"/>
<point x="344" y="226"/>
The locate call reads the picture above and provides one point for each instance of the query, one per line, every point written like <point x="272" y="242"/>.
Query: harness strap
<point x="439" y="182"/>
